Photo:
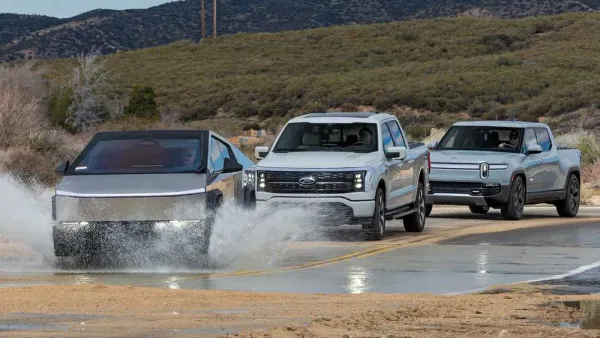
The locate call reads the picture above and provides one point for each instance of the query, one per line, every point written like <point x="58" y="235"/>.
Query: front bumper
<point x="467" y="193"/>
<point x="75" y="238"/>
<point x="327" y="210"/>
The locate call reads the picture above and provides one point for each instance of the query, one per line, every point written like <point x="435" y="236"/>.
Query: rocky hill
<point x="112" y="31"/>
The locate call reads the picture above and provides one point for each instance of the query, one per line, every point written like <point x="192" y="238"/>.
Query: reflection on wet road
<point x="347" y="265"/>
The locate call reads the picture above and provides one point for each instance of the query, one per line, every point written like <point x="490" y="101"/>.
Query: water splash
<point x="241" y="238"/>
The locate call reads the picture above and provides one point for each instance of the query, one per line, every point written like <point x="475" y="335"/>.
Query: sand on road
<point x="136" y="311"/>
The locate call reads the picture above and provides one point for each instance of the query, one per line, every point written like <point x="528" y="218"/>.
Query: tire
<point x="513" y="209"/>
<point x="428" y="209"/>
<point x="476" y="209"/>
<point x="375" y="230"/>
<point x="569" y="207"/>
<point x="415" y="222"/>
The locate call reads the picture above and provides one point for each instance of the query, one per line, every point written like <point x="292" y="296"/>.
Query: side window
<point x="218" y="153"/>
<point x="386" y="137"/>
<point x="396" y="134"/>
<point x="528" y="139"/>
<point x="543" y="139"/>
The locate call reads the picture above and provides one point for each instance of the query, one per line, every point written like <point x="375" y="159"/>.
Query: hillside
<point x="535" y="67"/>
<point x="114" y="31"/>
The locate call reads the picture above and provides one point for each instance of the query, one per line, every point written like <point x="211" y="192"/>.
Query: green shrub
<point x="142" y="103"/>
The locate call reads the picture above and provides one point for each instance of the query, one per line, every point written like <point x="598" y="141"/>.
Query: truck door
<point x="394" y="172"/>
<point x="552" y="177"/>
<point x="533" y="163"/>
<point x="407" y="173"/>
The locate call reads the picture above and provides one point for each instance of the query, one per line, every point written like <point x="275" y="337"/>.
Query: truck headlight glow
<point x="261" y="181"/>
<point x="359" y="180"/>
<point x="249" y="178"/>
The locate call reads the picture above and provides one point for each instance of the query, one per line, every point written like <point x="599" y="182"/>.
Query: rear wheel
<point x="476" y="209"/>
<point x="415" y="222"/>
<point x="569" y="207"/>
<point x="375" y="230"/>
<point x="513" y="209"/>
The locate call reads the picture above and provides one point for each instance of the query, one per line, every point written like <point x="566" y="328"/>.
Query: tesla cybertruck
<point x="140" y="182"/>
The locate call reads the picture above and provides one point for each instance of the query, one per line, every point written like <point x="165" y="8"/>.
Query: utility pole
<point x="214" y="18"/>
<point x="202" y="16"/>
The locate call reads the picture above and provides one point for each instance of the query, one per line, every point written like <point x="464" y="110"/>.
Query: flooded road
<point x="337" y="260"/>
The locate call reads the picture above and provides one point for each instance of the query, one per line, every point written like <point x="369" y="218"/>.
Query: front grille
<point x="468" y="188"/>
<point x="288" y="182"/>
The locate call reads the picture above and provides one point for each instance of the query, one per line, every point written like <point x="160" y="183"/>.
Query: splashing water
<point x="241" y="238"/>
<point x="26" y="217"/>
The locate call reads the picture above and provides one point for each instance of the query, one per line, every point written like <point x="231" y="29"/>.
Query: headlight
<point x="249" y="178"/>
<point x="359" y="180"/>
<point x="261" y="181"/>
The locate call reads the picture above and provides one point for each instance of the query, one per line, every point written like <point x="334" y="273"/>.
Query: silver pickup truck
<point x="503" y="165"/>
<point x="142" y="185"/>
<point x="358" y="167"/>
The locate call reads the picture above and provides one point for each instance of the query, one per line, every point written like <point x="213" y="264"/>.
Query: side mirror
<point x="261" y="152"/>
<point x="61" y="169"/>
<point x="231" y="166"/>
<point x="396" y="153"/>
<point x="431" y="145"/>
<point x="534" y="149"/>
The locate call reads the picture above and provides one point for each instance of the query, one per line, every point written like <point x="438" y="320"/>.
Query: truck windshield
<point x="482" y="138"/>
<point x="140" y="156"/>
<point x="348" y="137"/>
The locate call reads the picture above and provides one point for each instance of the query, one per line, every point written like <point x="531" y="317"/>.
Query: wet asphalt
<point x="339" y="261"/>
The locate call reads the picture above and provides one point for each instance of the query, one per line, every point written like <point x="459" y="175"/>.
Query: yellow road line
<point x="394" y="244"/>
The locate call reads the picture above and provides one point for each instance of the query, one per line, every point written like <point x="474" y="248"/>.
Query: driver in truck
<point x="366" y="137"/>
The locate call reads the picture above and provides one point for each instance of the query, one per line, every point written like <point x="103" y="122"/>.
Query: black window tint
<point x="140" y="156"/>
<point x="396" y="134"/>
<point x="543" y="139"/>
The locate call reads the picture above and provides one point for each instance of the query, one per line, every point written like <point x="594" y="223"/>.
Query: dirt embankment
<point x="134" y="311"/>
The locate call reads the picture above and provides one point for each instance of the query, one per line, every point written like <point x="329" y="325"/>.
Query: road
<point x="337" y="260"/>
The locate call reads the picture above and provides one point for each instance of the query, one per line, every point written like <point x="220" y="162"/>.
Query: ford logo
<point x="484" y="170"/>
<point x="307" y="180"/>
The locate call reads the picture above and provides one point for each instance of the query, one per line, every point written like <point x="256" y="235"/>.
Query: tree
<point x="90" y="103"/>
<point x="142" y="103"/>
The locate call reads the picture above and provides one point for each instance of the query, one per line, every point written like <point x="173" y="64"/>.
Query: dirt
<point x="134" y="311"/>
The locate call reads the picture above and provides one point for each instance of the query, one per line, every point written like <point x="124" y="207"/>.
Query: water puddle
<point x="592" y="310"/>
<point x="30" y="327"/>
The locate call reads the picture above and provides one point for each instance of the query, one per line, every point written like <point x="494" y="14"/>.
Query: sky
<point x="69" y="8"/>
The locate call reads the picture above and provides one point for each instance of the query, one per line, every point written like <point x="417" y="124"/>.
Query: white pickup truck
<point x="358" y="166"/>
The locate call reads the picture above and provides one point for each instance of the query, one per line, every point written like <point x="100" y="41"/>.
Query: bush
<point x="583" y="140"/>
<point x="61" y="98"/>
<point x="142" y="103"/>
<point x="21" y="93"/>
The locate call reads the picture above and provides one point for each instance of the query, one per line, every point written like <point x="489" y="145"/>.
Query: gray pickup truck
<point x="145" y="184"/>
<point x="357" y="166"/>
<point x="503" y="165"/>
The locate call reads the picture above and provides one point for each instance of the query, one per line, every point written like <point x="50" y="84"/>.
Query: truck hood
<point x="470" y="156"/>
<point x="316" y="159"/>
<point x="131" y="185"/>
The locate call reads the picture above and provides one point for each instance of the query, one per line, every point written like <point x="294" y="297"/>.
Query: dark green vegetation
<point x="532" y="67"/>
<point x="113" y="31"/>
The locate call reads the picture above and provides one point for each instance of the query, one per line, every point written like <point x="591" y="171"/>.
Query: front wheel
<point x="569" y="207"/>
<point x="376" y="229"/>
<point x="513" y="209"/>
<point x="415" y="222"/>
